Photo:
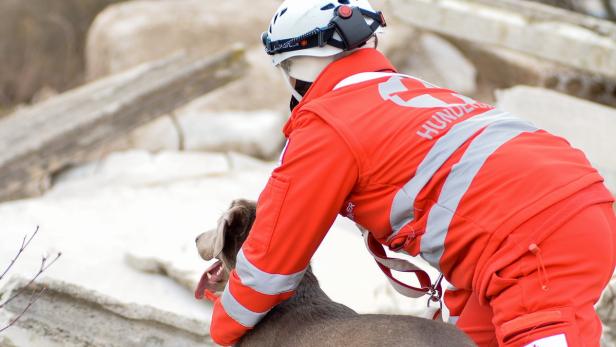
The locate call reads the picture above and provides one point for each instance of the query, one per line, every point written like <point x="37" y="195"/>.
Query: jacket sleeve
<point x="294" y="213"/>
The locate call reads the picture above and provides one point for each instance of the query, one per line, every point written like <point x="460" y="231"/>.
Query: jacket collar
<point x="364" y="60"/>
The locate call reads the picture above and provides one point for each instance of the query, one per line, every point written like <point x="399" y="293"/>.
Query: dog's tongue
<point x="211" y="277"/>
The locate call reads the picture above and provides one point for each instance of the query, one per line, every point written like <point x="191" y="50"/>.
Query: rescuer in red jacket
<point x="514" y="218"/>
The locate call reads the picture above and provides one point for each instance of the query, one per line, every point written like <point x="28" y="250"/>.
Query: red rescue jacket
<point x="426" y="170"/>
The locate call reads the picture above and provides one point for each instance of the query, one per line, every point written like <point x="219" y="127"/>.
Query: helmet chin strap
<point x="287" y="79"/>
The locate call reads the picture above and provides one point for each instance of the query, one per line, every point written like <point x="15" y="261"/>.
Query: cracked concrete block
<point x="262" y="87"/>
<point x="138" y="168"/>
<point x="166" y="265"/>
<point x="138" y="31"/>
<point x="501" y="68"/>
<point x="436" y="60"/>
<point x="195" y="128"/>
<point x="161" y="134"/>
<point x="128" y="34"/>
<point x="71" y="126"/>
<point x="77" y="317"/>
<point x="568" y="38"/>
<point x="258" y="134"/>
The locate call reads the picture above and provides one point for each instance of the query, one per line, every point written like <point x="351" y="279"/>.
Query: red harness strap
<point x="387" y="264"/>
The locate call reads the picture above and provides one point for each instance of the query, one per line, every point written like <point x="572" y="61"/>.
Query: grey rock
<point x="77" y="317"/>
<point x="436" y="60"/>
<point x="64" y="130"/>
<point x="545" y="32"/>
<point x="131" y="33"/>
<point x="42" y="45"/>
<point x="606" y="308"/>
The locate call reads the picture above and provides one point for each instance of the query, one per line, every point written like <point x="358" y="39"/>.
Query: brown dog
<point x="311" y="318"/>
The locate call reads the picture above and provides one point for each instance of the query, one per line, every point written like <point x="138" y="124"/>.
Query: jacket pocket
<point x="528" y="329"/>
<point x="269" y="207"/>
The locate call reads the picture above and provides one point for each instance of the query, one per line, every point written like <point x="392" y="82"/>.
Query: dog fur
<point x="310" y="317"/>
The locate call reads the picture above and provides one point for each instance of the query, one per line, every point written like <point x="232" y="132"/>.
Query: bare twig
<point x="43" y="268"/>
<point x="45" y="265"/>
<point x="34" y="298"/>
<point x="24" y="243"/>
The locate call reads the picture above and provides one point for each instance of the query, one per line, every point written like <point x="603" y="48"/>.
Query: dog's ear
<point x="216" y="238"/>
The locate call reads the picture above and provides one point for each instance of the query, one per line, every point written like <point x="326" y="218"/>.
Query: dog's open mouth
<point x="211" y="280"/>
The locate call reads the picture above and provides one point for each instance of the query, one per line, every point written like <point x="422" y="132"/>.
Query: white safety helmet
<point x="304" y="29"/>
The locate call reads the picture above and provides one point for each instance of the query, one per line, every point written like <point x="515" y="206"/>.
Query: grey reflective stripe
<point x="238" y="312"/>
<point x="402" y="207"/>
<point x="264" y="282"/>
<point x="453" y="320"/>
<point x="459" y="180"/>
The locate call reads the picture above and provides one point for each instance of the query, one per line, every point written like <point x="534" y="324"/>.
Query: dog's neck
<point x="309" y="304"/>
<point x="309" y="286"/>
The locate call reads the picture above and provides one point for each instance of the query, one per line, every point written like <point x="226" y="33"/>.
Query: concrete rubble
<point x="73" y="316"/>
<point x="433" y="58"/>
<point x="257" y="134"/>
<point x="504" y="57"/>
<point x="126" y="223"/>
<point x="568" y="38"/>
<point x="38" y="141"/>
<point x="130" y="33"/>
<point x="133" y="32"/>
<point x="126" y="226"/>
<point x="606" y="308"/>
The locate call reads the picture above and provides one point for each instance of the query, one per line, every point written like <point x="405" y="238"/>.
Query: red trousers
<point x="550" y="290"/>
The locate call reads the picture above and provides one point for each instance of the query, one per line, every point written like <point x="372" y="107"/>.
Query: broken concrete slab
<point x="195" y="128"/>
<point x="135" y="32"/>
<point x="142" y="169"/>
<point x="257" y="134"/>
<point x="588" y="126"/>
<point x="185" y="274"/>
<point x="131" y="33"/>
<point x="567" y="38"/>
<point x="501" y="68"/>
<point x="430" y="57"/>
<point x="158" y="219"/>
<point x="38" y="141"/>
<point x="73" y="316"/>
<point x="161" y="134"/>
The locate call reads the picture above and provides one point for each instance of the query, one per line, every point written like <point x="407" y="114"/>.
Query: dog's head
<point x="224" y="243"/>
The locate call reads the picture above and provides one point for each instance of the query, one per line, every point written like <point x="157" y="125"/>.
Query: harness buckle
<point x="435" y="292"/>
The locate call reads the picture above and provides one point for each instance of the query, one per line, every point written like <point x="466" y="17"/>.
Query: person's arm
<point x="294" y="213"/>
